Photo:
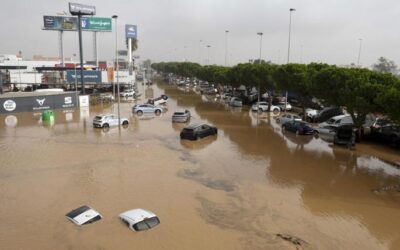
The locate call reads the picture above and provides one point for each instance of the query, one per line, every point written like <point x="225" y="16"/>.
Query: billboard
<point x="70" y="23"/>
<point x="130" y="31"/>
<point x="81" y="9"/>
<point x="96" y="23"/>
<point x="92" y="76"/>
<point x="60" y="23"/>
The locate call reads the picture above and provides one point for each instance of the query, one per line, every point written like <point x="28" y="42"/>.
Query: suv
<point x="327" y="113"/>
<point x="105" y="121"/>
<point x="197" y="131"/>
<point x="146" y="108"/>
<point x="181" y="116"/>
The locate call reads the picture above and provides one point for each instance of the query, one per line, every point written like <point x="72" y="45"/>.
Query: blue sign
<point x="92" y="76"/>
<point x="130" y="31"/>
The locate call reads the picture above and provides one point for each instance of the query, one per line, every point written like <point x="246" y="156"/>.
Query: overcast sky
<point x="322" y="30"/>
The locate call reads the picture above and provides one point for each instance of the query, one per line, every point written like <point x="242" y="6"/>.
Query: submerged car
<point x="181" y="116"/>
<point x="197" y="131"/>
<point x="139" y="219"/>
<point x="263" y="107"/>
<point x="83" y="215"/>
<point x="236" y="102"/>
<point x="106" y="121"/>
<point x="287" y="118"/>
<point x="127" y="93"/>
<point x="299" y="127"/>
<point x="146" y="108"/>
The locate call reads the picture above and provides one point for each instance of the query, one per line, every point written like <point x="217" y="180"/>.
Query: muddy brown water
<point x="251" y="187"/>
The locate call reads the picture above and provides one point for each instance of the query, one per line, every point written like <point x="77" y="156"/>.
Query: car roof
<point x="340" y="117"/>
<point x="137" y="215"/>
<point x="82" y="214"/>
<point x="196" y="125"/>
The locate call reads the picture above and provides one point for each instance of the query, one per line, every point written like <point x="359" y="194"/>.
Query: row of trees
<point x="361" y="91"/>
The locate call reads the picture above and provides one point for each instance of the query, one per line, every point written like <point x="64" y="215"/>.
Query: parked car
<point x="389" y="134"/>
<point x="146" y="108"/>
<point x="181" y="116"/>
<point x="263" y="107"/>
<point x="159" y="100"/>
<point x="378" y="123"/>
<point x="287" y="118"/>
<point x="197" y="131"/>
<point x="327" y="113"/>
<point x="139" y="219"/>
<point x="236" y="102"/>
<point x="299" y="127"/>
<point x="338" y="120"/>
<point x="106" y="121"/>
<point x="311" y="114"/>
<point x="127" y="93"/>
<point x="282" y="106"/>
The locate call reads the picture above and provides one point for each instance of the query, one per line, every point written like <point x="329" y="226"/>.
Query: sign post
<point x="130" y="33"/>
<point x="79" y="10"/>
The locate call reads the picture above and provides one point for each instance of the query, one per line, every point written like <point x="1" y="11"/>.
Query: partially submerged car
<point x="181" y="116"/>
<point x="287" y="118"/>
<point x="83" y="215"/>
<point x="263" y="107"/>
<point x="127" y="93"/>
<point x="105" y="121"/>
<point x="197" y="131"/>
<point x="139" y="219"/>
<point x="299" y="127"/>
<point x="236" y="102"/>
<point x="146" y="108"/>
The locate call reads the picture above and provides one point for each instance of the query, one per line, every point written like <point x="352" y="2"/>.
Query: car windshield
<point x="179" y="113"/>
<point x="146" y="224"/>
<point x="98" y="118"/>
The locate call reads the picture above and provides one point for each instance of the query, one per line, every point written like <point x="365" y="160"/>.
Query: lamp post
<point x="115" y="17"/>
<point x="359" y="53"/>
<point x="200" y="51"/>
<point x="76" y="79"/>
<point x="208" y="54"/>
<point x="260" y="34"/>
<point x="290" y="30"/>
<point x="226" y="47"/>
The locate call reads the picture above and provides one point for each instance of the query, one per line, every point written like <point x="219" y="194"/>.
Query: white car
<point x="338" y="120"/>
<point x="281" y="105"/>
<point x="139" y="219"/>
<point x="159" y="100"/>
<point x="263" y="107"/>
<point x="106" y="121"/>
<point x="83" y="215"/>
<point x="287" y="118"/>
<point x="127" y="93"/>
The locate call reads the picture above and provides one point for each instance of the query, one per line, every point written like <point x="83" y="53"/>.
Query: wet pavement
<point x="253" y="186"/>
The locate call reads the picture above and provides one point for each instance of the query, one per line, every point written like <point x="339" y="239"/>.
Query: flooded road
<point x="251" y="187"/>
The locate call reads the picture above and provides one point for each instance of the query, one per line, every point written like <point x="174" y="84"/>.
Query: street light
<point x="359" y="53"/>
<point x="226" y="46"/>
<point x="200" y="51"/>
<point x="290" y="29"/>
<point x="115" y="17"/>
<point x="76" y="79"/>
<point x="260" y="34"/>
<point x="208" y="54"/>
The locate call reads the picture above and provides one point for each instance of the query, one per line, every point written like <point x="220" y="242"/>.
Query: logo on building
<point x="9" y="105"/>
<point x="68" y="100"/>
<point x="41" y="101"/>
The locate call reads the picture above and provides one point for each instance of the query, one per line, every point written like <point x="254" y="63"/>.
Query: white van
<point x="337" y="121"/>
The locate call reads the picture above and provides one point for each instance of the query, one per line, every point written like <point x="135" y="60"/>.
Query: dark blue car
<point x="299" y="127"/>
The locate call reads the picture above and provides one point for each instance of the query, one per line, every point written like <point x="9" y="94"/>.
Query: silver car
<point x="106" y="121"/>
<point x="146" y="108"/>
<point x="181" y="116"/>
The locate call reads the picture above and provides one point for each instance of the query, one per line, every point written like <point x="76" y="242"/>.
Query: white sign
<point x="68" y="100"/>
<point x="9" y="105"/>
<point x="41" y="101"/>
<point x="83" y="101"/>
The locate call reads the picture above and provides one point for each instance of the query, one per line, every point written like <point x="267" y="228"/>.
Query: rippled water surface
<point x="253" y="186"/>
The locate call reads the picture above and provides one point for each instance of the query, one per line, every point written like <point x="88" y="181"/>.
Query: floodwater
<point x="250" y="187"/>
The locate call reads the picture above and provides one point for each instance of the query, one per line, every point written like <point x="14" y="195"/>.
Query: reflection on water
<point x="250" y="187"/>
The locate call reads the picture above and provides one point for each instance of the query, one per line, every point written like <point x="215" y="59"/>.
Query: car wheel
<point x="275" y="111"/>
<point x="260" y="110"/>
<point x="158" y="112"/>
<point x="125" y="123"/>
<point x="139" y="112"/>
<point x="106" y="125"/>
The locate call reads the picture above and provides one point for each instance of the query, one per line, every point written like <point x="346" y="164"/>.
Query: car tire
<point x="158" y="112"/>
<point x="106" y="125"/>
<point x="139" y="112"/>
<point x="125" y="123"/>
